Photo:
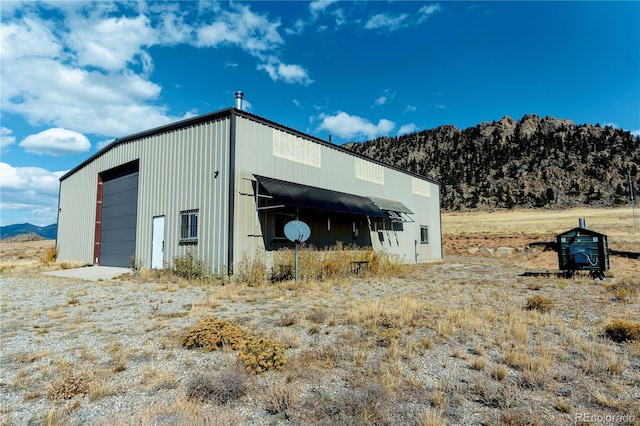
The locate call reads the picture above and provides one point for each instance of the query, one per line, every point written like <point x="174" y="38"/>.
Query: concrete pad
<point x="91" y="273"/>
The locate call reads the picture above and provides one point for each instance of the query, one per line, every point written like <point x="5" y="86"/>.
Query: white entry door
<point x="157" y="254"/>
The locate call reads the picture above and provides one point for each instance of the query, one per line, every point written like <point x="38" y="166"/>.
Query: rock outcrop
<point x="534" y="162"/>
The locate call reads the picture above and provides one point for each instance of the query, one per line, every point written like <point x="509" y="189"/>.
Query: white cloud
<point x="6" y="139"/>
<point x="407" y="128"/>
<point x="318" y="6"/>
<point x="112" y="43"/>
<point x="27" y="38"/>
<point x="348" y="126"/>
<point x="88" y="69"/>
<point x="242" y="28"/>
<point x="387" y="22"/>
<point x="287" y="72"/>
<point x="381" y="100"/>
<point x="410" y="108"/>
<point x="74" y="87"/>
<point x="426" y="11"/>
<point x="391" y="22"/>
<point x="297" y="27"/>
<point x="56" y="142"/>
<point x="246" y="105"/>
<point x="46" y="91"/>
<point x="385" y="97"/>
<point x="340" y="17"/>
<point x="440" y="106"/>
<point x="482" y="9"/>
<point x="29" y="194"/>
<point x="27" y="178"/>
<point x="636" y="133"/>
<point x="258" y="36"/>
<point x="103" y="144"/>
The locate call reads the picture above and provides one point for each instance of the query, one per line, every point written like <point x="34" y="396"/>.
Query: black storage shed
<point x="581" y="249"/>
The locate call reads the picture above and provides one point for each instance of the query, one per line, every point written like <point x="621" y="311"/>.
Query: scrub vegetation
<point x="465" y="341"/>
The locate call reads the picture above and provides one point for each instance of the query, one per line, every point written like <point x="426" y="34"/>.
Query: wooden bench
<point x="359" y="265"/>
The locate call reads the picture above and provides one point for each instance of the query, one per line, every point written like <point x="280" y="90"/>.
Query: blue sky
<point x="75" y="75"/>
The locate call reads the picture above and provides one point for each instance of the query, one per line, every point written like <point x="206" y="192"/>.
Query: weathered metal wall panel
<point x="177" y="172"/>
<point x="268" y="151"/>
<point x="77" y="217"/>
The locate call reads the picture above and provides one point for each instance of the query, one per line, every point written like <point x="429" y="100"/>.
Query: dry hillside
<point x="533" y="162"/>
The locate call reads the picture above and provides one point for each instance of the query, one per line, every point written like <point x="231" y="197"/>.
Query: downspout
<point x="58" y="218"/>
<point x="232" y="184"/>
<point x="440" y="214"/>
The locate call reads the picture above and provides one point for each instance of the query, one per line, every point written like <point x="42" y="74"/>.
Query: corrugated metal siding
<point x="177" y="173"/>
<point x="254" y="154"/>
<point x="596" y="248"/>
<point x="77" y="217"/>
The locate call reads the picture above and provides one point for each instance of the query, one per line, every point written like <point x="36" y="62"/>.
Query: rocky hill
<point x="44" y="232"/>
<point x="534" y="162"/>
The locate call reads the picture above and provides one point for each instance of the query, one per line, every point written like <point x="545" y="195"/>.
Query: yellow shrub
<point x="214" y="334"/>
<point x="260" y="354"/>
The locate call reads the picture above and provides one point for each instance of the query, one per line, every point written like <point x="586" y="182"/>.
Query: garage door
<point x="119" y="216"/>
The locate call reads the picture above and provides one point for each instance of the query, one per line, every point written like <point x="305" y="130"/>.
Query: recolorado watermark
<point x="604" y="418"/>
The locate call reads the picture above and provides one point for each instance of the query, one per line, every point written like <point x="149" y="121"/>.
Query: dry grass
<point x="617" y="224"/>
<point x="30" y="257"/>
<point x="439" y="344"/>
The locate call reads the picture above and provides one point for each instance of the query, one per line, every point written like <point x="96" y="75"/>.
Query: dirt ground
<point x="432" y="344"/>
<point x="530" y="257"/>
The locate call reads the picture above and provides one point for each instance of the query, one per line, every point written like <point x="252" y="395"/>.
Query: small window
<point x="424" y="235"/>
<point x="280" y="220"/>
<point x="189" y="226"/>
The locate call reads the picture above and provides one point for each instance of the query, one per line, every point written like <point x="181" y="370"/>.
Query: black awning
<point x="311" y="197"/>
<point x="390" y="205"/>
<point x="395" y="210"/>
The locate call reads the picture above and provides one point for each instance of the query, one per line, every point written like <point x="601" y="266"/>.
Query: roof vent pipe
<point x="239" y="97"/>
<point x="581" y="223"/>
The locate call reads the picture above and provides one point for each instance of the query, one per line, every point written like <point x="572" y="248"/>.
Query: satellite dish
<point x="297" y="231"/>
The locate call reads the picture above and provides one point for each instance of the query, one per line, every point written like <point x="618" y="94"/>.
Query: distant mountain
<point x="46" y="232"/>
<point x="534" y="162"/>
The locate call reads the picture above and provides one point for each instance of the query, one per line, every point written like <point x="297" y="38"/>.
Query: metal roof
<point x="229" y="112"/>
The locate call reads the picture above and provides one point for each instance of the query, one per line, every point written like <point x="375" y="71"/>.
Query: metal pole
<point x="297" y="263"/>
<point x="633" y="202"/>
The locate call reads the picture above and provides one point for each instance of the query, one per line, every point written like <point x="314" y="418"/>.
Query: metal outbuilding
<point x="224" y="184"/>
<point x="581" y="249"/>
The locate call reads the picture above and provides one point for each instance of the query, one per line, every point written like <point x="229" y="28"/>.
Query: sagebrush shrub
<point x="361" y="402"/>
<point x="540" y="303"/>
<point x="317" y="315"/>
<point x="261" y="354"/>
<point x="623" y="330"/>
<point x="288" y="319"/>
<point x="68" y="385"/>
<point x="624" y="290"/>
<point x="281" y="399"/>
<point x="214" y="334"/>
<point x="222" y="387"/>
<point x="256" y="353"/>
<point x="387" y="337"/>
